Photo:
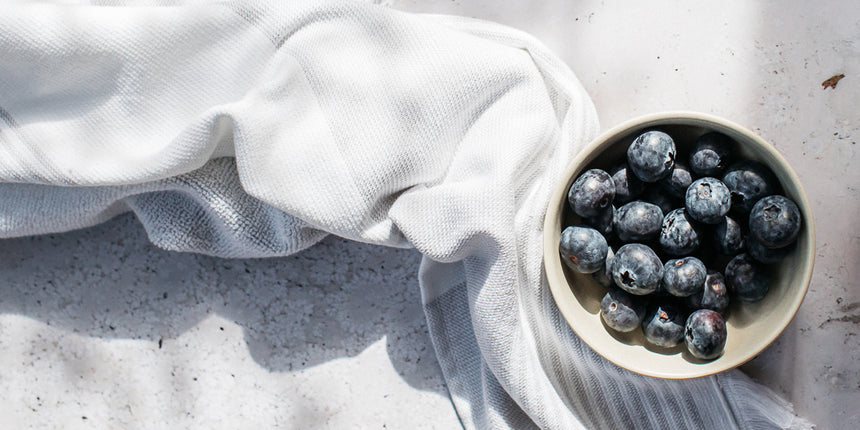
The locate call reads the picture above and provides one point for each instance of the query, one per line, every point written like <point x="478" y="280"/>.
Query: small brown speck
<point x="832" y="81"/>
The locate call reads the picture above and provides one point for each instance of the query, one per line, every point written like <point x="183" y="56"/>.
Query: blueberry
<point x="729" y="237"/>
<point x="775" y="221"/>
<point x="705" y="334"/>
<point x="637" y="221"/>
<point x="664" y="326"/>
<point x="748" y="181"/>
<point x="711" y="154"/>
<point x="651" y="156"/>
<point x="765" y="255"/>
<point x="746" y="279"/>
<point x="604" y="275"/>
<point x="591" y="193"/>
<point x="684" y="277"/>
<point x="637" y="269"/>
<point x="627" y="186"/>
<point x="603" y="221"/>
<point x="678" y="181"/>
<point x="621" y="311"/>
<point x="583" y="249"/>
<point x="708" y="200"/>
<point x="678" y="234"/>
<point x="715" y="295"/>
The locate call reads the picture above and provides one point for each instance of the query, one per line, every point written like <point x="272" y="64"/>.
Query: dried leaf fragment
<point x="832" y="81"/>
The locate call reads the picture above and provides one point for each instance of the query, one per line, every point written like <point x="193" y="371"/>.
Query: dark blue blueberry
<point x="729" y="237"/>
<point x="583" y="249"/>
<point x="603" y="221"/>
<point x="591" y="193"/>
<point x="765" y="255"/>
<point x="637" y="269"/>
<point x="749" y="181"/>
<point x="678" y="234"/>
<point x="708" y="200"/>
<point x="747" y="280"/>
<point x="684" y="277"/>
<point x="664" y="325"/>
<point x="715" y="295"/>
<point x="627" y="186"/>
<point x="651" y="156"/>
<point x="604" y="276"/>
<point x="621" y="311"/>
<point x="775" y="221"/>
<point x="705" y="334"/>
<point x="637" y="221"/>
<point x="678" y="181"/>
<point x="656" y="195"/>
<point x="711" y="154"/>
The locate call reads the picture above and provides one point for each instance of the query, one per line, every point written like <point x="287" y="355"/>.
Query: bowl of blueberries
<point x="678" y="245"/>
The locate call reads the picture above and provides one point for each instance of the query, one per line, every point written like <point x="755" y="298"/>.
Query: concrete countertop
<point x="98" y="328"/>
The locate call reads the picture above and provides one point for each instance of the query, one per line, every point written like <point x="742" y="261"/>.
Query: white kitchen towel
<point x="249" y="129"/>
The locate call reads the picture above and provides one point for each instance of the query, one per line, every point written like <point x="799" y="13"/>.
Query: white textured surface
<point x="83" y="313"/>
<point x="100" y="329"/>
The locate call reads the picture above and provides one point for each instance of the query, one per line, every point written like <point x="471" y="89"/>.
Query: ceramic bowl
<point x="751" y="326"/>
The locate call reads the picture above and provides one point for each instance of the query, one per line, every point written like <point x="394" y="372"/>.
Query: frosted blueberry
<point x="664" y="326"/>
<point x="708" y="200"/>
<point x="684" y="276"/>
<point x="705" y="334"/>
<point x="637" y="269"/>
<point x="591" y="193"/>
<point x="583" y="249"/>
<point x="637" y="221"/>
<point x="711" y="154"/>
<point x="747" y="280"/>
<point x="775" y="221"/>
<point x="651" y="156"/>
<point x="678" y="234"/>
<point x="621" y="311"/>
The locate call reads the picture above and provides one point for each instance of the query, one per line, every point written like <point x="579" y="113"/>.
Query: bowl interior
<point x="751" y="327"/>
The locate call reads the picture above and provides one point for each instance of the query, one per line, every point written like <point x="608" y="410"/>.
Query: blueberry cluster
<point x="675" y="243"/>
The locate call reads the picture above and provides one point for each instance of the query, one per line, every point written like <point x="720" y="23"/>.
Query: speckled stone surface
<point x="99" y="329"/>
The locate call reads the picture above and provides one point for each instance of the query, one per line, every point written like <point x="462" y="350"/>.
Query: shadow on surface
<point x="330" y="301"/>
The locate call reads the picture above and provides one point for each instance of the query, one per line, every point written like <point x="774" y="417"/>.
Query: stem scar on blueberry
<point x="669" y="223"/>
<point x="573" y="259"/>
<point x="613" y="306"/>
<point x="771" y="212"/>
<point x="626" y="279"/>
<point x="704" y="191"/>
<point x="664" y="316"/>
<point x="671" y="159"/>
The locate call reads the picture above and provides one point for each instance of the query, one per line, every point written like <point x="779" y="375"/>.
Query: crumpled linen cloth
<point x="252" y="129"/>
